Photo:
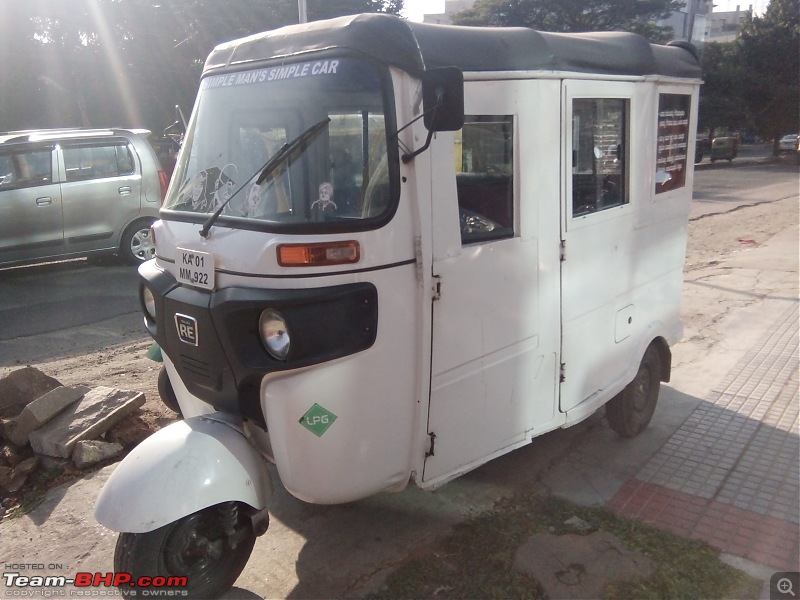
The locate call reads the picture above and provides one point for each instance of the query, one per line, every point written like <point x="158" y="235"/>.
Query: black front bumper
<point x="213" y="340"/>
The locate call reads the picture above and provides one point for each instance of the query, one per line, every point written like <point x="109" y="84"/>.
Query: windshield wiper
<point x="288" y="152"/>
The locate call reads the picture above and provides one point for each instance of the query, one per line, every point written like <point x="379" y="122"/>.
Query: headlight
<point x="274" y="334"/>
<point x="149" y="303"/>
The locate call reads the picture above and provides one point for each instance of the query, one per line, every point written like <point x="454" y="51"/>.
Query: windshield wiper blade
<point x="288" y="152"/>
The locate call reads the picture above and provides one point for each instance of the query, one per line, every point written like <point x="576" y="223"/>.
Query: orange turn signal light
<point x="319" y="255"/>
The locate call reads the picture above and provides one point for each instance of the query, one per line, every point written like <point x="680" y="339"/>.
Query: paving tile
<point x="730" y="475"/>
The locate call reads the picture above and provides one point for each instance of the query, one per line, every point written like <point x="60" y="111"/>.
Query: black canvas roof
<point x="413" y="47"/>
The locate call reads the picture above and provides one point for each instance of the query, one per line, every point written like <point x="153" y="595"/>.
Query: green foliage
<point x="769" y="53"/>
<point x="754" y="82"/>
<point x="721" y="106"/>
<point x="127" y="63"/>
<point x="574" y="15"/>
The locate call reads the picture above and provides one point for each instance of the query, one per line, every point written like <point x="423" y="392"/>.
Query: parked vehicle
<point x="375" y="272"/>
<point x="702" y="148"/>
<point x="724" y="148"/>
<point x="788" y="143"/>
<point x="68" y="193"/>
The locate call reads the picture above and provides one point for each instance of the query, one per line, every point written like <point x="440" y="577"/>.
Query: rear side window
<point x="98" y="160"/>
<point x="599" y="154"/>
<point x="673" y="141"/>
<point x="25" y="168"/>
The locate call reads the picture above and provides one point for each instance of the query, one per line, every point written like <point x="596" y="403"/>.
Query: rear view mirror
<point x="443" y="99"/>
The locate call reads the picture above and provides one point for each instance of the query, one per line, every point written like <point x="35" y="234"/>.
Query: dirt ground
<point x="125" y="364"/>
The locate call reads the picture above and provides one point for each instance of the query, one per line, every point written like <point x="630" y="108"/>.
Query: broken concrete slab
<point x="580" y="566"/>
<point x="98" y="410"/>
<point x="21" y="387"/>
<point x="40" y="411"/>
<point x="89" y="452"/>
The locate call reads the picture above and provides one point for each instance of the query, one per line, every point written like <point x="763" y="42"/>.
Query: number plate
<point x="196" y="268"/>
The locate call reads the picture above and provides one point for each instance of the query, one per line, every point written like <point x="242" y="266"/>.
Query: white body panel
<point x="183" y="468"/>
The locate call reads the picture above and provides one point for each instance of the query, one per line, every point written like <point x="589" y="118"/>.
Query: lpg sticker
<point x="317" y="420"/>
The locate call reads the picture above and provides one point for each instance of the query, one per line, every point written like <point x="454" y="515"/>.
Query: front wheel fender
<point x="183" y="468"/>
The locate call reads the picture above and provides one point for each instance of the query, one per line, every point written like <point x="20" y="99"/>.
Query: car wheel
<point x="167" y="393"/>
<point x="137" y="243"/>
<point x="210" y="548"/>
<point x="630" y="411"/>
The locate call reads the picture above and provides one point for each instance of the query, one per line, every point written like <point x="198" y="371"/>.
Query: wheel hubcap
<point x="193" y="548"/>
<point x="142" y="246"/>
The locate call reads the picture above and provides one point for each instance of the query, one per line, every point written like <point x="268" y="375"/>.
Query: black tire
<point x="195" y="547"/>
<point x="166" y="392"/>
<point x="630" y="411"/>
<point x="137" y="244"/>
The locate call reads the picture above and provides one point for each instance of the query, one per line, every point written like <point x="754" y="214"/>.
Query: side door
<point x="598" y="270"/>
<point x="31" y="221"/>
<point x="101" y="193"/>
<point x="487" y="366"/>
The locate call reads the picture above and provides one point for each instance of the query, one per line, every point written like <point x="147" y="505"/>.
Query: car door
<point x="31" y="218"/>
<point x="101" y="193"/>
<point x="492" y="371"/>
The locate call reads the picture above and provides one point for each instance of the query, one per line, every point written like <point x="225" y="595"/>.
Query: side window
<point x="673" y="141"/>
<point x="484" y="157"/>
<point x="97" y="161"/>
<point x="599" y="154"/>
<point x="125" y="164"/>
<point x="25" y="168"/>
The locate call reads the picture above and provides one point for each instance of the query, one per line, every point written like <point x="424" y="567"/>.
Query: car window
<point x="98" y="160"/>
<point x="485" y="178"/>
<point x="25" y="168"/>
<point x="599" y="154"/>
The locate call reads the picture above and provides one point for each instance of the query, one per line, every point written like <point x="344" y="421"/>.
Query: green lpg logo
<point x="317" y="420"/>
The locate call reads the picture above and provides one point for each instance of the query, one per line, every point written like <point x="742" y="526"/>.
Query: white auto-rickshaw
<point x="392" y="252"/>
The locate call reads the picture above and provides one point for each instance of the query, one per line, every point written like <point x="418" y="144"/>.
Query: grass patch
<point x="475" y="560"/>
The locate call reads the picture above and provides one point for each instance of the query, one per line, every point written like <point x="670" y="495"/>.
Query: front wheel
<point x="630" y="411"/>
<point x="209" y="548"/>
<point x="167" y="393"/>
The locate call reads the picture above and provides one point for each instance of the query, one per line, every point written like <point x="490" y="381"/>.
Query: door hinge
<point x="563" y="373"/>
<point x="430" y="452"/>
<point x="437" y="288"/>
<point x="563" y="250"/>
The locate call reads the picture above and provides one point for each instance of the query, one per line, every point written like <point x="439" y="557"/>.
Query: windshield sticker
<point x="208" y="190"/>
<point x="307" y="69"/>
<point x="324" y="205"/>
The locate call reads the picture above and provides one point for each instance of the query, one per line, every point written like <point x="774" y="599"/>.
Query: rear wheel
<point x="137" y="242"/>
<point x="210" y="548"/>
<point x="630" y="411"/>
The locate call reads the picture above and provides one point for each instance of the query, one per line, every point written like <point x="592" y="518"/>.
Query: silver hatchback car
<point x="67" y="193"/>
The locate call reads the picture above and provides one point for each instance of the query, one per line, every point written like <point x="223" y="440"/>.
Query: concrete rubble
<point x="44" y="421"/>
<point x="93" y="415"/>
<point x="41" y="410"/>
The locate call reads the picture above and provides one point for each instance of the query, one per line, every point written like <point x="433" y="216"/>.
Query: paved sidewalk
<point x="730" y="474"/>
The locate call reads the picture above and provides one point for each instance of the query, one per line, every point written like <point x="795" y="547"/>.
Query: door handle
<point x="44" y="201"/>
<point x="124" y="190"/>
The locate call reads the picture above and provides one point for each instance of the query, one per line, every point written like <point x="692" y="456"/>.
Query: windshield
<point x="338" y="178"/>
